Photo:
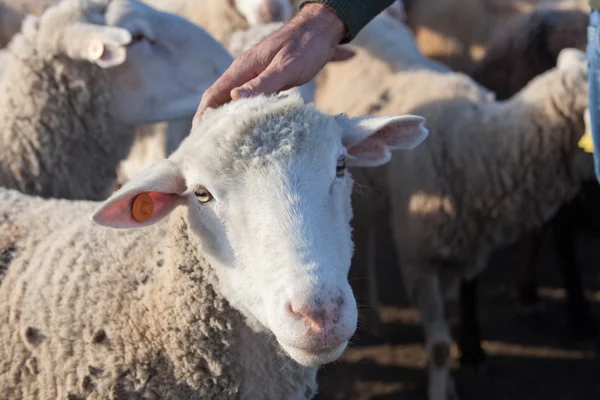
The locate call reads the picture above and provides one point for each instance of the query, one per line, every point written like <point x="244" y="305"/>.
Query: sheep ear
<point x="369" y="140"/>
<point x="104" y="46"/>
<point x="145" y="199"/>
<point x="571" y="58"/>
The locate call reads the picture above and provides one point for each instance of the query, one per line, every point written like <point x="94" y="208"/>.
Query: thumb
<point x="270" y="81"/>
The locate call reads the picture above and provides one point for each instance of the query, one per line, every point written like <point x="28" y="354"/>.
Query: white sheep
<point x="490" y="171"/>
<point x="73" y="90"/>
<point x="242" y="293"/>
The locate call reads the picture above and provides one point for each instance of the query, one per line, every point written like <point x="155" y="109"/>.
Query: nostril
<point x="313" y="319"/>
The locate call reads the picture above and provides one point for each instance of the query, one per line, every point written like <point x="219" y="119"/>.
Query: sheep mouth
<point x="315" y="356"/>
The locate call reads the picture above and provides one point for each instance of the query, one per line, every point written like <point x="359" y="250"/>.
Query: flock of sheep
<point x="460" y="119"/>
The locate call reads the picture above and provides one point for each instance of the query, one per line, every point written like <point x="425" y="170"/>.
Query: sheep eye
<point x="136" y="38"/>
<point x="340" y="169"/>
<point x="203" y="195"/>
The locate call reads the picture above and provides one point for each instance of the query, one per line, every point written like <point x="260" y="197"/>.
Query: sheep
<point x="452" y="233"/>
<point x="457" y="32"/>
<point x="492" y="171"/>
<point x="73" y="90"/>
<point x="239" y="293"/>
<point x="526" y="48"/>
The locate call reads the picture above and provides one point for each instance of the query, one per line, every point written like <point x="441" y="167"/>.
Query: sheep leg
<point x="427" y="296"/>
<point x="471" y="352"/>
<point x="579" y="315"/>
<point x="529" y="246"/>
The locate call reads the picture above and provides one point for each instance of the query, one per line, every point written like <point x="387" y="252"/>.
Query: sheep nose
<point x="319" y="317"/>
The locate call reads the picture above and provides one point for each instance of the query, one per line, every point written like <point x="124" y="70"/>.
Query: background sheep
<point x="441" y="234"/>
<point x="432" y="203"/>
<point x="66" y="140"/>
<point x="185" y="282"/>
<point x="526" y="47"/>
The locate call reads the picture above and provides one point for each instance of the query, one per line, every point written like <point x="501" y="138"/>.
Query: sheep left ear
<point x="144" y="200"/>
<point x="369" y="140"/>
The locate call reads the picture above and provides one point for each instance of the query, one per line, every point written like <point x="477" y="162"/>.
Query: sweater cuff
<point x="354" y="13"/>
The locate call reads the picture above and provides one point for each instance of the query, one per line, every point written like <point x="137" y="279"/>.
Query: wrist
<point x="324" y="19"/>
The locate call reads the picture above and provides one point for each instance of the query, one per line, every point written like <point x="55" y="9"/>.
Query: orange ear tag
<point x="142" y="208"/>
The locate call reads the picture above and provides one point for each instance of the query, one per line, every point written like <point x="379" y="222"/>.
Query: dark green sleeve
<point x="355" y="13"/>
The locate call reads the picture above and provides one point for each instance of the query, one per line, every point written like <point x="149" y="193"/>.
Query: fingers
<point x="243" y="69"/>
<point x="270" y="81"/>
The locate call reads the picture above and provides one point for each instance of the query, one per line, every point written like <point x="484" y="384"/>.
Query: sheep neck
<point x="246" y="362"/>
<point x="54" y="117"/>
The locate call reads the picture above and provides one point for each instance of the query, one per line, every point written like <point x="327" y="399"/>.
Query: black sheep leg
<point x="579" y="316"/>
<point x="469" y="343"/>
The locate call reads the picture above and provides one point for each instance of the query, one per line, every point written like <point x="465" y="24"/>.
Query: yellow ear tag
<point x="142" y="208"/>
<point x="586" y="142"/>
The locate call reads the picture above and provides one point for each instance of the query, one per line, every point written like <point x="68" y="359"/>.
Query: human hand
<point x="289" y="57"/>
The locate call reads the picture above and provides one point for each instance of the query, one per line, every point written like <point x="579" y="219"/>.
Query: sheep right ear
<point x="144" y="200"/>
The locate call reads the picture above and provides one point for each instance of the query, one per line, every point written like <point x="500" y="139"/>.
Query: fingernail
<point x="242" y="92"/>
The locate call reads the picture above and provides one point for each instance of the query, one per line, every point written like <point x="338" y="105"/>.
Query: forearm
<point x="354" y="13"/>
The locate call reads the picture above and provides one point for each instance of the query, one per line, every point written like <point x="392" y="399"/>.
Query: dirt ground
<point x="529" y="358"/>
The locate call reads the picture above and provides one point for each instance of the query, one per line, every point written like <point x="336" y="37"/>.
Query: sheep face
<point x="159" y="64"/>
<point x="170" y="63"/>
<point x="265" y="184"/>
<point x="264" y="11"/>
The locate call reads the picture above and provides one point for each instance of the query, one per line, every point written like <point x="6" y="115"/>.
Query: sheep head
<point x="159" y="64"/>
<point x="265" y="187"/>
